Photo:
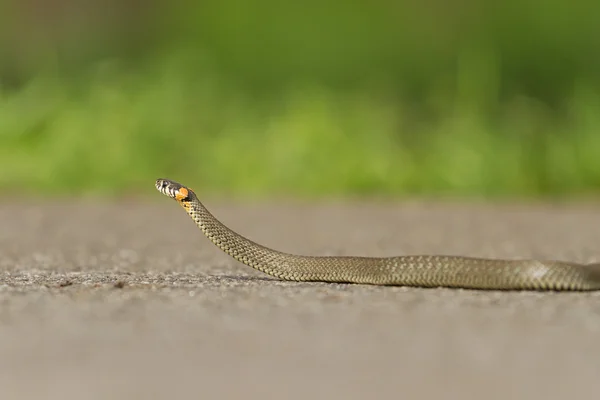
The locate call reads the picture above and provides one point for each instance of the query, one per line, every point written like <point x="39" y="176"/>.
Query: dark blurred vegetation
<point x="306" y="98"/>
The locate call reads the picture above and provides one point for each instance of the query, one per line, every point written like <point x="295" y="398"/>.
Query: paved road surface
<point x="129" y="301"/>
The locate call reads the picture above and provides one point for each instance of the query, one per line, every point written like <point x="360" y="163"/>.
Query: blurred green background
<point x="313" y="98"/>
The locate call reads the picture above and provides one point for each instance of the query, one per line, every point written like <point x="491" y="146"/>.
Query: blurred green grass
<point x="364" y="100"/>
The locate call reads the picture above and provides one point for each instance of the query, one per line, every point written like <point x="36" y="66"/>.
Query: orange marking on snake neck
<point x="182" y="193"/>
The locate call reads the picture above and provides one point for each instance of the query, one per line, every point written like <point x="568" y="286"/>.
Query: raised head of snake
<point x="174" y="190"/>
<point x="407" y="270"/>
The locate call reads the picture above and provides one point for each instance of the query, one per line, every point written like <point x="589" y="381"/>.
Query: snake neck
<point x="237" y="246"/>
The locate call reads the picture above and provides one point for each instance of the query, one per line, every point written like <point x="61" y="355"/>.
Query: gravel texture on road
<point x="130" y="301"/>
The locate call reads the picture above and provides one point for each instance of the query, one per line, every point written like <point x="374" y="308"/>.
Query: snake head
<point x="173" y="189"/>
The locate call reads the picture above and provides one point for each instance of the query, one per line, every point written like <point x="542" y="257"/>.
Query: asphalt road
<point x="130" y="301"/>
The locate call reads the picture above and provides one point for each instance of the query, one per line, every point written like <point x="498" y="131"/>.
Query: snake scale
<point x="410" y="270"/>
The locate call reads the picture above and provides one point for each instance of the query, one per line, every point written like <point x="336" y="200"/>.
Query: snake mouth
<point x="164" y="187"/>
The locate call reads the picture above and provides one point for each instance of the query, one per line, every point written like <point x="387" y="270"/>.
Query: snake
<point x="425" y="271"/>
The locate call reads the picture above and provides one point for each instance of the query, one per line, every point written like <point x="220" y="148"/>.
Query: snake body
<point x="410" y="270"/>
